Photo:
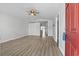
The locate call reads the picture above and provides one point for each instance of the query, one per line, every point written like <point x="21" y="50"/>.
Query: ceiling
<point x="46" y="10"/>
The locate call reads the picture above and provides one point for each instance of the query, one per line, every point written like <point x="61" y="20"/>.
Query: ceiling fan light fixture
<point x="33" y="12"/>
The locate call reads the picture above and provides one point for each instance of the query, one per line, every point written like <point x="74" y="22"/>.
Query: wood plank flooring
<point x="30" y="46"/>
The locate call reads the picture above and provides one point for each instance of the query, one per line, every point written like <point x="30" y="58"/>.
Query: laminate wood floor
<point x="30" y="46"/>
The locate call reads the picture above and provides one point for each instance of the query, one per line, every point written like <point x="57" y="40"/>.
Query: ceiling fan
<point x="32" y="12"/>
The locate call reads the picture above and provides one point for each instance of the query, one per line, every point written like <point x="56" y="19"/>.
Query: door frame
<point x="57" y="30"/>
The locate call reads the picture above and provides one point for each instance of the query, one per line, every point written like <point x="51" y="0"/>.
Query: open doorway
<point x="43" y="29"/>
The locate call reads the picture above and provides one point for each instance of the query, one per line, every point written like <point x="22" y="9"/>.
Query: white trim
<point x="12" y="39"/>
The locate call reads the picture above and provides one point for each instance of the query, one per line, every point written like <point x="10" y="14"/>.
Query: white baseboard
<point x="33" y="35"/>
<point x="12" y="39"/>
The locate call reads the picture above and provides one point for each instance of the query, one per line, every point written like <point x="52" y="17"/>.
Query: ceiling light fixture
<point x="33" y="12"/>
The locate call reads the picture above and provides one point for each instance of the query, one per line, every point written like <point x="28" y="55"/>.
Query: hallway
<point x="30" y="46"/>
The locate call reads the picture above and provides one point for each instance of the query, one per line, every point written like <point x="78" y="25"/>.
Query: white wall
<point x="34" y="29"/>
<point x="54" y="30"/>
<point x="62" y="29"/>
<point x="11" y="27"/>
<point x="50" y="28"/>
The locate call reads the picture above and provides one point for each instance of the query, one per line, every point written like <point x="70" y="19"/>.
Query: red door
<point x="72" y="29"/>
